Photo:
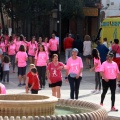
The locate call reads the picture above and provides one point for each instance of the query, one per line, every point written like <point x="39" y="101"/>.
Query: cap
<point x="110" y="54"/>
<point x="75" y="50"/>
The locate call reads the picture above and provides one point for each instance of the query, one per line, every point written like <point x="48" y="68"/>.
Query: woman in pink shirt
<point x="3" y="45"/>
<point x="96" y="68"/>
<point x="21" y="59"/>
<point x="46" y="44"/>
<point x="54" y="75"/>
<point x="32" y="47"/>
<point x="74" y="73"/>
<point x="12" y="52"/>
<point x="109" y="72"/>
<point x="17" y="43"/>
<point x="41" y="60"/>
<point x="53" y="45"/>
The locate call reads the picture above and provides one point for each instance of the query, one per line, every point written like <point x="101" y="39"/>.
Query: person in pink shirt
<point x="54" y="75"/>
<point x="96" y="68"/>
<point x="109" y="72"/>
<point x="2" y="89"/>
<point x="32" y="47"/>
<point x="24" y="42"/>
<point x="53" y="45"/>
<point x="74" y="73"/>
<point x="17" y="43"/>
<point x="3" y="45"/>
<point x="14" y="37"/>
<point x="21" y="58"/>
<point x="12" y="52"/>
<point x="46" y="44"/>
<point x="40" y="40"/>
<point x="41" y="61"/>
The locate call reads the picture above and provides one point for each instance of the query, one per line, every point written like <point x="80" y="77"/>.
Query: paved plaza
<point x="87" y="85"/>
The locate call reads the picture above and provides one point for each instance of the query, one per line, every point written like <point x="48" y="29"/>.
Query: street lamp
<point x="59" y="23"/>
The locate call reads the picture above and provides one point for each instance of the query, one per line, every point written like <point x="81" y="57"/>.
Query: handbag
<point x="73" y="75"/>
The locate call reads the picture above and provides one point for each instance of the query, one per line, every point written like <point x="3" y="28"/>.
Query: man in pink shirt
<point x="109" y="72"/>
<point x="53" y="45"/>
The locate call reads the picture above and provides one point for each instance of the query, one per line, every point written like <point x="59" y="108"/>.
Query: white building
<point x="110" y="8"/>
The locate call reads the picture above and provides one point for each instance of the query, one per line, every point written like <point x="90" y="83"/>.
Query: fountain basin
<point x="27" y="105"/>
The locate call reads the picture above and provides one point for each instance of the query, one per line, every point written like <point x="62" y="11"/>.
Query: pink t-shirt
<point x="53" y="43"/>
<point x="25" y="44"/>
<point x="3" y="46"/>
<point x="41" y="58"/>
<point x="46" y="46"/>
<point x="21" y="56"/>
<point x="55" y="73"/>
<point x="97" y="61"/>
<point x="17" y="43"/>
<point x="110" y="70"/>
<point x="3" y="89"/>
<point x="12" y="49"/>
<point x="74" y="66"/>
<point x="31" y="48"/>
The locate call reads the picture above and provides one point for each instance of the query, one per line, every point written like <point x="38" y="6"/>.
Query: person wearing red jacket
<point x="68" y="43"/>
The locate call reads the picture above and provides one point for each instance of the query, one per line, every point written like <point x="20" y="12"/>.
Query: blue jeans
<point x="74" y="86"/>
<point x="68" y="53"/>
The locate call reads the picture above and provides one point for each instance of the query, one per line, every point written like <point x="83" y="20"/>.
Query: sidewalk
<point x="87" y="85"/>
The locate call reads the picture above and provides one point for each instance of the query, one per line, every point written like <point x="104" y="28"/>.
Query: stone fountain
<point x="40" y="107"/>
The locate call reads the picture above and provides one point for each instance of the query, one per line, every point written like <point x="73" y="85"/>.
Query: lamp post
<point x="59" y="23"/>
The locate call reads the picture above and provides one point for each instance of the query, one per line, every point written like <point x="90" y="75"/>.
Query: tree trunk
<point x="2" y="19"/>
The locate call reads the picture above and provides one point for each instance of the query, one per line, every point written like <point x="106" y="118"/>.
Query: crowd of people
<point x="43" y="56"/>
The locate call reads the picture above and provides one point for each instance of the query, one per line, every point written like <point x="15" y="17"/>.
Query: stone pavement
<point x="87" y="85"/>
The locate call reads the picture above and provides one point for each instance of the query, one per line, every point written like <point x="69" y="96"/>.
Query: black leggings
<point x="74" y="86"/>
<point x="41" y="74"/>
<point x="106" y="85"/>
<point x="1" y="72"/>
<point x="97" y="81"/>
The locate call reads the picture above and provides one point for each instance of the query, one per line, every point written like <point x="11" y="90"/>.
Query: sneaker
<point x="19" y="84"/>
<point x="114" y="109"/>
<point x="98" y="92"/>
<point x="101" y="104"/>
<point x="93" y="91"/>
<point x="23" y="84"/>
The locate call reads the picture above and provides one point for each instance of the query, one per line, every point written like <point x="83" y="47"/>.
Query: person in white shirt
<point x="105" y="42"/>
<point x="87" y="49"/>
<point x="6" y="68"/>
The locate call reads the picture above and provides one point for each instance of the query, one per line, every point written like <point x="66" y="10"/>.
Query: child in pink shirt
<point x="109" y="72"/>
<point x="21" y="58"/>
<point x="41" y="60"/>
<point x="96" y="68"/>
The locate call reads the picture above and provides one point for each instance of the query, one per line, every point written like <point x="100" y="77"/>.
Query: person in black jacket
<point x="78" y="43"/>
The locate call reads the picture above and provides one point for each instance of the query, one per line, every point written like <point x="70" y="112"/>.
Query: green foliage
<point x="72" y="8"/>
